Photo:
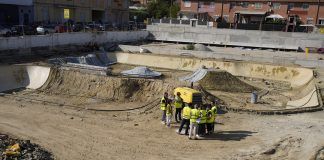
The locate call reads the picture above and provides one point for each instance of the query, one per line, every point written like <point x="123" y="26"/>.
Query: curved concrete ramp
<point x="22" y="76"/>
<point x="297" y="76"/>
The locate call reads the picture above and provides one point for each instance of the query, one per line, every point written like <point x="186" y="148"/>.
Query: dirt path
<point x="72" y="134"/>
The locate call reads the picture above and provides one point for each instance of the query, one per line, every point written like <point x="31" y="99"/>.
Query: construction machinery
<point x="189" y="95"/>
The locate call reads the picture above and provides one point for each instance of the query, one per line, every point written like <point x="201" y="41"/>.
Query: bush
<point x="189" y="47"/>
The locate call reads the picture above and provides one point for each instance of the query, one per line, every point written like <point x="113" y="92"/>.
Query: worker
<point x="214" y="113"/>
<point x="163" y="106"/>
<point x="185" y="118"/>
<point x="178" y="105"/>
<point x="202" y="122"/>
<point x="194" y="114"/>
<point x="210" y="120"/>
<point x="169" y="111"/>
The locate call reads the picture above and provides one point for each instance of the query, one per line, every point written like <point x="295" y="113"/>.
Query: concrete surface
<point x="75" y="38"/>
<point x="21" y="76"/>
<point x="264" y="39"/>
<point x="297" y="76"/>
<point x="311" y="60"/>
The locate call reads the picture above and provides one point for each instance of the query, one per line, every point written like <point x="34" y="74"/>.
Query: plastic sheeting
<point x="196" y="76"/>
<point x="98" y="59"/>
<point x="141" y="72"/>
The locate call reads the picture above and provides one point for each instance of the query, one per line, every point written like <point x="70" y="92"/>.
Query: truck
<point x="189" y="95"/>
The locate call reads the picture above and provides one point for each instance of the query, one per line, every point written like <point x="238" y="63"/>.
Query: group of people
<point x="199" y="119"/>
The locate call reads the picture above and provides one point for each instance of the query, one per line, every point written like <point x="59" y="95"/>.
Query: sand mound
<point x="224" y="81"/>
<point x="64" y="82"/>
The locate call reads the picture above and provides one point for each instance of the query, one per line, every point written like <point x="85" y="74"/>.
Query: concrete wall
<point x="297" y="76"/>
<point x="78" y="38"/>
<point x="263" y="39"/>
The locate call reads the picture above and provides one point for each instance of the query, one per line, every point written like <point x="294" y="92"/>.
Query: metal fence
<point x="199" y="23"/>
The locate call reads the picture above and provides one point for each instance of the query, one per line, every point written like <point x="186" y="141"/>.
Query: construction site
<point x="105" y="103"/>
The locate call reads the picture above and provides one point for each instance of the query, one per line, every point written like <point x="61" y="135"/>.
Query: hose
<point x="90" y="109"/>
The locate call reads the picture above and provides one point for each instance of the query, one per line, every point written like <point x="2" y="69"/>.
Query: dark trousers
<point x="178" y="114"/>
<point x="210" y="127"/>
<point x="164" y="115"/>
<point x="202" y="129"/>
<point x="184" y="122"/>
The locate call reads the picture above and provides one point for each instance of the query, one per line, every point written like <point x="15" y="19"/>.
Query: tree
<point x="174" y="10"/>
<point x="159" y="9"/>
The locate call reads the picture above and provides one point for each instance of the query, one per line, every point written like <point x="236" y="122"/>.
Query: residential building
<point x="60" y="11"/>
<point x="253" y="11"/>
<point x="16" y="12"/>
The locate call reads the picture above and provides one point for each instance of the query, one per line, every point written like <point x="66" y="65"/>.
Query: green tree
<point x="174" y="10"/>
<point x="159" y="9"/>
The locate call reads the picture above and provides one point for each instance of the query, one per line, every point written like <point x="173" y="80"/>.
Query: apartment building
<point x="60" y="11"/>
<point x="254" y="11"/>
<point x="16" y="12"/>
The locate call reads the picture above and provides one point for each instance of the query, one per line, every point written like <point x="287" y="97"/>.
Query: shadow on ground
<point x="228" y="135"/>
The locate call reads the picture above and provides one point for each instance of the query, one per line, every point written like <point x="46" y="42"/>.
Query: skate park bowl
<point x="303" y="95"/>
<point x="23" y="76"/>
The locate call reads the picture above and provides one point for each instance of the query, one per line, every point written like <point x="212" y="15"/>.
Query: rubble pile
<point x="11" y="148"/>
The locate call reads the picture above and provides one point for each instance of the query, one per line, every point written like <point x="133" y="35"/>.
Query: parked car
<point x="80" y="27"/>
<point x="19" y="30"/>
<point x="320" y="50"/>
<point x="45" y="29"/>
<point x="96" y="26"/>
<point x="62" y="28"/>
<point x="5" y="31"/>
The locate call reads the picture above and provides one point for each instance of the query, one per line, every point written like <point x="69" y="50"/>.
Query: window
<point x="232" y="5"/>
<point x="290" y="6"/>
<point x="258" y="5"/>
<point x="321" y="21"/>
<point x="187" y="3"/>
<point x="305" y="6"/>
<point x="245" y="4"/>
<point x="200" y="4"/>
<point x="309" y="21"/>
<point x="212" y="5"/>
<point x="276" y="6"/>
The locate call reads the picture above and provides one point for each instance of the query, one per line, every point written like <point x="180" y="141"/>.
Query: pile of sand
<point x="76" y="84"/>
<point x="224" y="81"/>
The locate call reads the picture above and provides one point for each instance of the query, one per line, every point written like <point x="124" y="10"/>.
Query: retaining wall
<point x="235" y="37"/>
<point x="75" y="38"/>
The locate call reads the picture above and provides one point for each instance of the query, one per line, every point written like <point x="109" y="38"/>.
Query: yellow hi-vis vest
<point x="163" y="105"/>
<point x="186" y="112"/>
<point x="214" y="110"/>
<point x="210" y="117"/>
<point x="203" y="116"/>
<point x="169" y="110"/>
<point x="194" y="114"/>
<point x="178" y="102"/>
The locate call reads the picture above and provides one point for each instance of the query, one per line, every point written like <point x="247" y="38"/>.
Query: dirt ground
<point x="57" y="117"/>
<point x="73" y="134"/>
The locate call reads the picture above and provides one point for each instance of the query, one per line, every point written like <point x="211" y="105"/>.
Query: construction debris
<point x="143" y="72"/>
<point x="11" y="149"/>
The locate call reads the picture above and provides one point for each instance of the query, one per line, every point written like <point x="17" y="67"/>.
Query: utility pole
<point x="318" y="8"/>
<point x="170" y="9"/>
<point x="222" y="10"/>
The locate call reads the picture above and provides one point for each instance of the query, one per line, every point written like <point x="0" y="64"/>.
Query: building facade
<point x="309" y="11"/>
<point x="16" y="12"/>
<point x="59" y="11"/>
<point x="13" y="12"/>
